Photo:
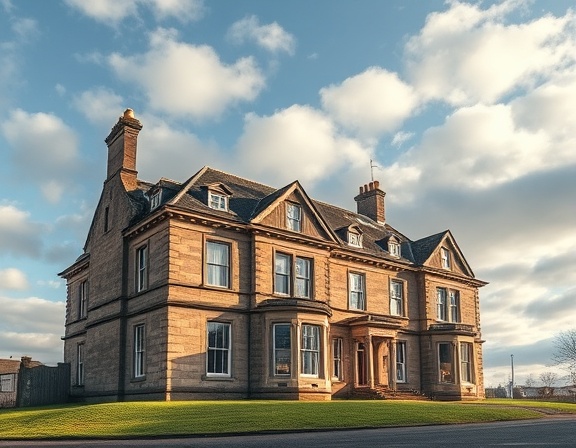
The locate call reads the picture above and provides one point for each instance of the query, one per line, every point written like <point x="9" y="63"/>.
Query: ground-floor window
<point x="139" y="351"/>
<point x="80" y="364"/>
<point x="310" y="350"/>
<point x="401" y="362"/>
<point x="466" y="362"/>
<point x="337" y="358"/>
<point x="218" y="351"/>
<point x="7" y="383"/>
<point x="282" y="349"/>
<point x="445" y="362"/>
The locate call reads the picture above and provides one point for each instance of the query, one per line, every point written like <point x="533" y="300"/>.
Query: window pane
<point x="401" y="362"/>
<point x="356" y="291"/>
<point x="218" y="353"/>
<point x="218" y="264"/>
<point x="293" y="217"/>
<point x="282" y="276"/>
<point x="302" y="282"/>
<point x="454" y="306"/>
<point x="310" y="349"/>
<point x="445" y="360"/>
<point x="282" y="349"/>
<point x="337" y="358"/>
<point x="441" y="298"/>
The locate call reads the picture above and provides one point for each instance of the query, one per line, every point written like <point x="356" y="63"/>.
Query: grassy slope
<point x="193" y="417"/>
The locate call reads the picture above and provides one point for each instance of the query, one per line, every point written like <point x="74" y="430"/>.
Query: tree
<point x="565" y="349"/>
<point x="530" y="381"/>
<point x="548" y="378"/>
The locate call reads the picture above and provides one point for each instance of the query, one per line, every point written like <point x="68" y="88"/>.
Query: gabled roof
<point x="250" y="202"/>
<point x="9" y="366"/>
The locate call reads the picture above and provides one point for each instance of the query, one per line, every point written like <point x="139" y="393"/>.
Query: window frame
<point x="310" y="344"/>
<point x="83" y="299"/>
<point x="448" y="309"/>
<point x="293" y="223"/>
<point x="300" y="279"/>
<point x="401" y="361"/>
<point x="276" y="350"/>
<point x="225" y="350"/>
<point x="449" y="372"/>
<point x="337" y="351"/>
<point x="466" y="362"/>
<point x="360" y="293"/>
<point x="354" y="239"/>
<point x="139" y="351"/>
<point x="399" y="301"/>
<point x="394" y="249"/>
<point x="155" y="199"/>
<point x="217" y="201"/>
<point x="8" y="382"/>
<point x="225" y="267"/>
<point x="80" y="364"/>
<point x="282" y="278"/>
<point x="142" y="260"/>
<point x="292" y="280"/>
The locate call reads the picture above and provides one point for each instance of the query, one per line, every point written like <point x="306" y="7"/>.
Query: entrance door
<point x="361" y="365"/>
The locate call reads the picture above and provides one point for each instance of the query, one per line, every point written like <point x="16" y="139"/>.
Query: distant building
<point x="221" y="288"/>
<point x="9" y="372"/>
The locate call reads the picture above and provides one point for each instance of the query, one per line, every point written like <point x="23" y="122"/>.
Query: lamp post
<point x="512" y="382"/>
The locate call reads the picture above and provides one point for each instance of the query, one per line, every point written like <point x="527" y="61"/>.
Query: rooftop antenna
<point x="372" y="166"/>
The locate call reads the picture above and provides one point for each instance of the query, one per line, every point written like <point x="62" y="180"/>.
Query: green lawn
<point x="211" y="417"/>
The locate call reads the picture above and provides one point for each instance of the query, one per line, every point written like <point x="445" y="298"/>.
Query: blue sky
<point x="466" y="109"/>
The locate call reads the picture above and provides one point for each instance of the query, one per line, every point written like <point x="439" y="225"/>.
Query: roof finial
<point x="372" y="166"/>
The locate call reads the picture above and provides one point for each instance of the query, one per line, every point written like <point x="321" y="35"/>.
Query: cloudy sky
<point x="466" y="109"/>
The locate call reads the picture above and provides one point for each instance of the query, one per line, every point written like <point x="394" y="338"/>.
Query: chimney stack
<point x="370" y="202"/>
<point x="122" y="145"/>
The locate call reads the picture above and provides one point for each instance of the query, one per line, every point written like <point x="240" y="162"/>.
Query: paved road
<point x="548" y="432"/>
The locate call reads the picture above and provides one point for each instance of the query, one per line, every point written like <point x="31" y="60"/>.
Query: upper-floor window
<point x="285" y="283"/>
<point x="354" y="239"/>
<point x="445" y="256"/>
<point x="401" y="362"/>
<point x="356" y="291"/>
<point x="155" y="199"/>
<point x="396" y="298"/>
<point x="83" y="299"/>
<point x="445" y="362"/>
<point x="217" y="201"/>
<point x="448" y="304"/>
<point x="293" y="217"/>
<point x="218" y="264"/>
<point x="282" y="347"/>
<point x="466" y="362"/>
<point x="310" y="350"/>
<point x="141" y="268"/>
<point x="218" y="352"/>
<point x="139" y="352"/>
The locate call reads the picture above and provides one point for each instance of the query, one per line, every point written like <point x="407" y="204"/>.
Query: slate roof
<point x="250" y="198"/>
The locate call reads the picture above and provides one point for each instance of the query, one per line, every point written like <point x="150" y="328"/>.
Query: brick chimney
<point x="370" y="202"/>
<point x="122" y="144"/>
<point x="26" y="360"/>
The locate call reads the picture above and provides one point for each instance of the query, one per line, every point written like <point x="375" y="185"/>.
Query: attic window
<point x="354" y="236"/>
<point x="155" y="199"/>
<point x="445" y="256"/>
<point x="394" y="247"/>
<point x="293" y="217"/>
<point x="217" y="201"/>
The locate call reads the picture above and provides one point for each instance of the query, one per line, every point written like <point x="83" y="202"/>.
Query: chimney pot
<point x="376" y="184"/>
<point x="129" y="113"/>
<point x="361" y="189"/>
<point x="371" y="186"/>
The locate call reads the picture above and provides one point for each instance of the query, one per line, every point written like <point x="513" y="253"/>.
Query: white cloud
<point x="401" y="137"/>
<point x="271" y="37"/>
<point x="99" y="105"/>
<point x="18" y="235"/>
<point x="296" y="143"/>
<point x="465" y="54"/>
<point x="107" y="11"/>
<point x="184" y="79"/>
<point x="44" y="149"/>
<point x="12" y="278"/>
<point x="111" y="12"/>
<point x="371" y="103"/>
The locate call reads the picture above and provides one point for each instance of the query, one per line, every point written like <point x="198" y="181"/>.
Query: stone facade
<point x="223" y="288"/>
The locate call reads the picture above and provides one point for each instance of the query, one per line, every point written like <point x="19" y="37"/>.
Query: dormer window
<point x="155" y="199"/>
<point x="293" y="217"/>
<point x="354" y="236"/>
<point x="217" y="201"/>
<point x="394" y="247"/>
<point x="445" y="256"/>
